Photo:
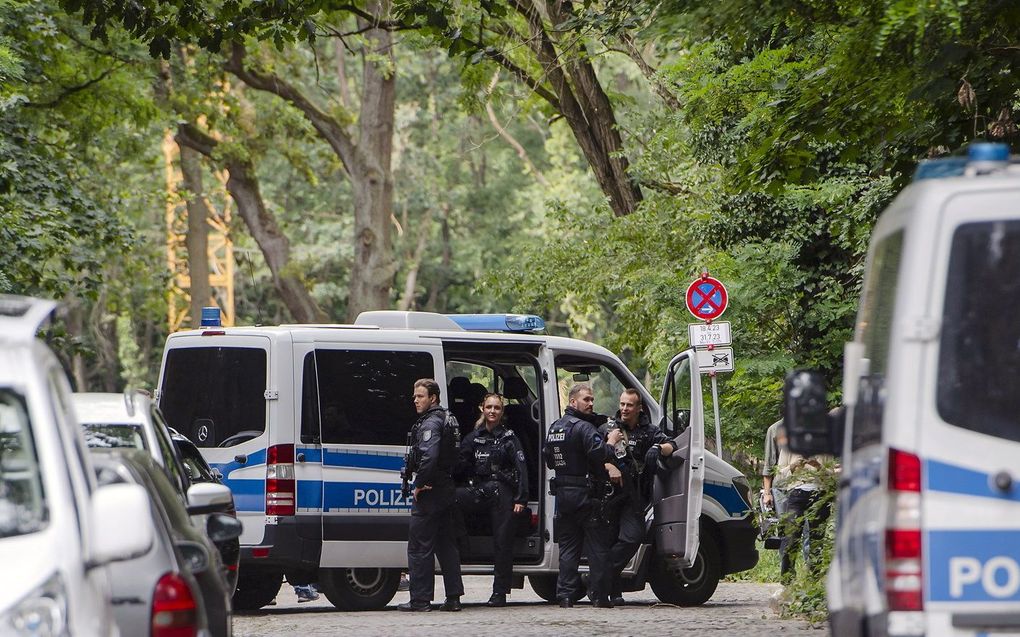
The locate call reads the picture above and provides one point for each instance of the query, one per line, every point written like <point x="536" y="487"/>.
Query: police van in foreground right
<point x="308" y="425"/>
<point x="928" y="531"/>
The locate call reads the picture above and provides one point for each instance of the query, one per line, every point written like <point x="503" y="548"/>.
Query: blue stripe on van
<point x="363" y="495"/>
<point x="974" y="566"/>
<point x="255" y="459"/>
<point x="309" y="494"/>
<point x="361" y="460"/>
<point x="948" y="478"/>
<point x="727" y="497"/>
<point x="249" y="495"/>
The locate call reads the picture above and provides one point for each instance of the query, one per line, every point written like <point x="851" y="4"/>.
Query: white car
<point x="58" y="530"/>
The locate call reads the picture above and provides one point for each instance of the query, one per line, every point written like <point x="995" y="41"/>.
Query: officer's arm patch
<point x="520" y="455"/>
<point x="427" y="435"/>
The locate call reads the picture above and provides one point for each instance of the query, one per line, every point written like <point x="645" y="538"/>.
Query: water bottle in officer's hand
<point x="621" y="445"/>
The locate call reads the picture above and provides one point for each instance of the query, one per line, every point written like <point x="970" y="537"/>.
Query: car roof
<point x="109" y="408"/>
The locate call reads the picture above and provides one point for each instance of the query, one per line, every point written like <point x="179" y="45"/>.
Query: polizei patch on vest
<point x="558" y="436"/>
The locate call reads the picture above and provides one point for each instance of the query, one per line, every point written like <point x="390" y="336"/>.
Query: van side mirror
<point x="222" y="528"/>
<point x="805" y="414"/>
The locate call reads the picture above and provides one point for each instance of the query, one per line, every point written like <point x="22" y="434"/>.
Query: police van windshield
<point x="215" y="396"/>
<point x="979" y="355"/>
<point x="22" y="502"/>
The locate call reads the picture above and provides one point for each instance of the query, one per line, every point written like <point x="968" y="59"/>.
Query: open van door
<point x="680" y="478"/>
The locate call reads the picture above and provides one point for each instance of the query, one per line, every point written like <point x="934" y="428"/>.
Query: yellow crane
<point x="220" y="252"/>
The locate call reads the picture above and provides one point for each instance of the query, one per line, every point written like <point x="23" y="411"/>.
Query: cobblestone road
<point x="740" y="609"/>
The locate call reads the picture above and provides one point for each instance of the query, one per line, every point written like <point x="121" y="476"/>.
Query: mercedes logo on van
<point x="203" y="433"/>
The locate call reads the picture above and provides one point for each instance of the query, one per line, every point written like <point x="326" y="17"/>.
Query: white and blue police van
<point x="928" y="527"/>
<point x="308" y="425"/>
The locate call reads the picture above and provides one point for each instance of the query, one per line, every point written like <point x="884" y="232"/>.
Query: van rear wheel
<point x="359" y="588"/>
<point x="255" y="589"/>
<point x="689" y="586"/>
<point x="544" y="586"/>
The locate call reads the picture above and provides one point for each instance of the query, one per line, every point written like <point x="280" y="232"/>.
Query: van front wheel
<point x="359" y="588"/>
<point x="689" y="586"/>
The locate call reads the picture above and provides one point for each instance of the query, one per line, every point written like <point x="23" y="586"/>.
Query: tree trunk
<point x="197" y="241"/>
<point x="243" y="186"/>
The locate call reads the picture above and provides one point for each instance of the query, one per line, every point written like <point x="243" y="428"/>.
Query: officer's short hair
<point x="577" y="389"/>
<point x="635" y="393"/>
<point x="430" y="385"/>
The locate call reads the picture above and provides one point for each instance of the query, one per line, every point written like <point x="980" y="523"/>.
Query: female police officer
<point x="492" y="462"/>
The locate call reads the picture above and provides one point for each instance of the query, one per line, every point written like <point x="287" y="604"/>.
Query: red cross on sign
<point x="707" y="298"/>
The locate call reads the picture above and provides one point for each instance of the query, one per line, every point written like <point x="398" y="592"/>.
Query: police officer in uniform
<point x="631" y="471"/>
<point x="432" y="455"/>
<point x="492" y="463"/>
<point x="578" y="453"/>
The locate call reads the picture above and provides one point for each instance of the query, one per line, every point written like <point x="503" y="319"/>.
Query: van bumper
<point x="739" y="551"/>
<point x="291" y="544"/>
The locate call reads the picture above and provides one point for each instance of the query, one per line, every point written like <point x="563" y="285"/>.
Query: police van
<point x="308" y="425"/>
<point x="928" y="530"/>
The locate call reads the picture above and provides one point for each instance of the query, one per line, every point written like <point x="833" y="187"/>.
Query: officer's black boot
<point x="452" y="604"/>
<point x="415" y="607"/>
<point x="498" y="600"/>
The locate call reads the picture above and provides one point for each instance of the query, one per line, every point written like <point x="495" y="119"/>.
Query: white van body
<point x="928" y="530"/>
<point x="58" y="530"/>
<point x="328" y="409"/>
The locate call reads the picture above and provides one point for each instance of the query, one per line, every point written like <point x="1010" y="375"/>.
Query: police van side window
<point x="605" y="384"/>
<point x="309" y="401"/>
<point x="213" y="394"/>
<point x="877" y="304"/>
<point x="979" y="349"/>
<point x="365" y="396"/>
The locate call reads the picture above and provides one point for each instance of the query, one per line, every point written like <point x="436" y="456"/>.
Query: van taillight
<point x="904" y="471"/>
<point x="174" y="611"/>
<point x="280" y="484"/>
<point x="903" y="547"/>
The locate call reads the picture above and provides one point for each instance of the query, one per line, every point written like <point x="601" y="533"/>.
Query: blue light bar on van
<point x="210" y="317"/>
<point x="498" y="322"/>
<point x="983" y="157"/>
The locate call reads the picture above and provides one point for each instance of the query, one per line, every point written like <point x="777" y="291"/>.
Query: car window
<point x="22" y="500"/>
<point x="167" y="451"/>
<point x="114" y="435"/>
<point x="194" y="465"/>
<point x="211" y="394"/>
<point x="979" y="360"/>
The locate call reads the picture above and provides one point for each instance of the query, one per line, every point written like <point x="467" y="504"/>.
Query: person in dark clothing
<point x="631" y="471"/>
<point x="578" y="453"/>
<point x="434" y="442"/>
<point x="492" y="464"/>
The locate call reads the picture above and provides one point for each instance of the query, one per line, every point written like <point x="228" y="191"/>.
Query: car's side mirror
<point x="121" y="523"/>
<point x="222" y="528"/>
<point x="805" y="413"/>
<point x="196" y="557"/>
<point x="208" y="497"/>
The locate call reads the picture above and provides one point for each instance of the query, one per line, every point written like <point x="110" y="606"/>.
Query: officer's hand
<point x="652" y="455"/>
<point x="767" y="500"/>
<point x="614" y="436"/>
<point x="518" y="508"/>
<point x="614" y="474"/>
<point x="667" y="449"/>
<point x="417" y="490"/>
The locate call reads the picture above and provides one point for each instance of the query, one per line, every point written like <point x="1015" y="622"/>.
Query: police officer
<point x="432" y="456"/>
<point x="492" y="462"/>
<point x="578" y="453"/>
<point x="631" y="471"/>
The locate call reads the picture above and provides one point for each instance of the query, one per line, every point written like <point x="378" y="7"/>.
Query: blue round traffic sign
<point x="707" y="298"/>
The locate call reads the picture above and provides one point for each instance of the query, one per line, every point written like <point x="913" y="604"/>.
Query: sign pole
<point x="715" y="408"/>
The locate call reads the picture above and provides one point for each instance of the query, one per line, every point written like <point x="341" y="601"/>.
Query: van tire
<point x="359" y="588"/>
<point x="544" y="586"/>
<point x="255" y="589"/>
<point x="690" y="586"/>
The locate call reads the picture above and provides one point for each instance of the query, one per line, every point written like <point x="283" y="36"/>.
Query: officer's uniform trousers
<point x="580" y="528"/>
<point x="431" y="535"/>
<point x="497" y="499"/>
